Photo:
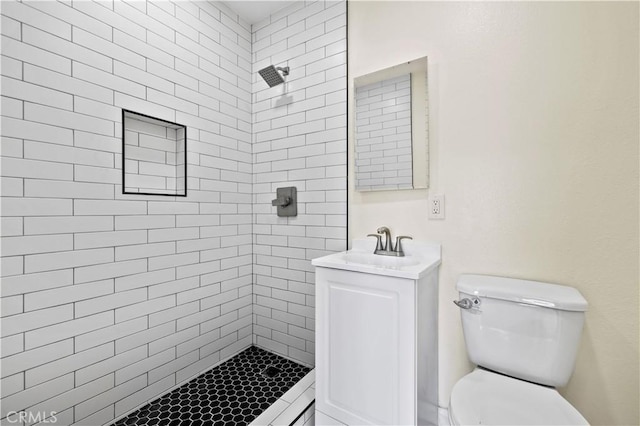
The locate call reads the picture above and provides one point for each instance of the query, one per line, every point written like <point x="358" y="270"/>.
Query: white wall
<point x="299" y="131"/>
<point x="534" y="143"/>
<point x="110" y="299"/>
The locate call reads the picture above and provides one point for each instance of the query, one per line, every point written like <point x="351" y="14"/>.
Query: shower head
<point x="271" y="75"/>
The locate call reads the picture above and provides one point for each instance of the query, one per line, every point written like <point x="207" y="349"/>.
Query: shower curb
<point x="291" y="406"/>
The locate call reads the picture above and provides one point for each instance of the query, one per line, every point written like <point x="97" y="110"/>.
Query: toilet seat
<point x="487" y="398"/>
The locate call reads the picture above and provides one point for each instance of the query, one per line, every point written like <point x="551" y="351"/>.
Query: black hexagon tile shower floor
<point x="235" y="392"/>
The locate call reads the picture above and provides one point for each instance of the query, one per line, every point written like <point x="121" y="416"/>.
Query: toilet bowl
<point x="523" y="336"/>
<point x="487" y="398"/>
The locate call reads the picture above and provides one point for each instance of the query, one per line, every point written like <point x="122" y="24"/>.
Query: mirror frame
<point x="420" y="127"/>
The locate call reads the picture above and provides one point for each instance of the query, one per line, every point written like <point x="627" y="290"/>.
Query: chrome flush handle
<point x="467" y="303"/>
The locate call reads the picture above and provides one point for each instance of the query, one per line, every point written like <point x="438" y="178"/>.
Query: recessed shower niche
<point x="154" y="156"/>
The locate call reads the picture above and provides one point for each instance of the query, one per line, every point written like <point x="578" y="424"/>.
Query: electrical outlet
<point x="436" y="207"/>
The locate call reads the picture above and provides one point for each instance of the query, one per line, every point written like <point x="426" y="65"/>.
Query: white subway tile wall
<point x="383" y="135"/>
<point x="109" y="299"/>
<point x="299" y="139"/>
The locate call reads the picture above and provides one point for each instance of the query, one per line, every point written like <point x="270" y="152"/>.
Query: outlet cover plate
<point x="436" y="206"/>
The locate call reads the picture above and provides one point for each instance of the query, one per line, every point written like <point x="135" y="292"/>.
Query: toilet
<point x="523" y="337"/>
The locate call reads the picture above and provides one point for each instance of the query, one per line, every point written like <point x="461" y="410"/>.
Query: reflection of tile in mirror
<point x="383" y="134"/>
<point x="154" y="156"/>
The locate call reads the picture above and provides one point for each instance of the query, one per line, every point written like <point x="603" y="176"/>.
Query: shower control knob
<point x="281" y="201"/>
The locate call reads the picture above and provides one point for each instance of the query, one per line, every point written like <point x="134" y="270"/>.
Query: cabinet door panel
<point x="365" y="351"/>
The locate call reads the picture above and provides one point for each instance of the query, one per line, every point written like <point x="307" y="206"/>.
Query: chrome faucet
<point x="388" y="249"/>
<point x="388" y="246"/>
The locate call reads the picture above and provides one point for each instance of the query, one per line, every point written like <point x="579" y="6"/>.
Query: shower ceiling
<point x="255" y="11"/>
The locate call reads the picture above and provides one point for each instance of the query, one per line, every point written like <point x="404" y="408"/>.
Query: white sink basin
<point x="377" y="260"/>
<point x="419" y="259"/>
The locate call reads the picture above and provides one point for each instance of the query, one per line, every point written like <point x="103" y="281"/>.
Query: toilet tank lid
<point x="522" y="291"/>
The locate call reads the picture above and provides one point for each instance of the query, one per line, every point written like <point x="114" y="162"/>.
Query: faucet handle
<point x="379" y="242"/>
<point x="399" y="238"/>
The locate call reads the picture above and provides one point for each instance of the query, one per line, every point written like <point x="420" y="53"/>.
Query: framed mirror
<point x="391" y="128"/>
<point x="154" y="156"/>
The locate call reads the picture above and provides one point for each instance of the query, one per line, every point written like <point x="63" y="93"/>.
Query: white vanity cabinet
<point x="376" y="337"/>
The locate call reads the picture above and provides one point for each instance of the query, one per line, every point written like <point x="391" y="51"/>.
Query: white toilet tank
<point x="524" y="329"/>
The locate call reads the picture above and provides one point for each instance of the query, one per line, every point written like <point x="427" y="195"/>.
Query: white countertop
<point x="420" y="259"/>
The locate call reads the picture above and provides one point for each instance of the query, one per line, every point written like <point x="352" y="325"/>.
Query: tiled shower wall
<point x="299" y="139"/>
<point x="110" y="299"/>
